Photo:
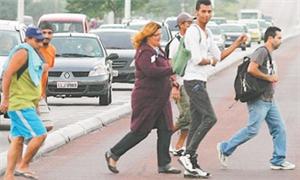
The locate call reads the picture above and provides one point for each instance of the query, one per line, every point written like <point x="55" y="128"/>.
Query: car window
<point x="172" y="25"/>
<point x="67" y="27"/>
<point x="228" y="28"/>
<point x="8" y="39"/>
<point x="215" y="30"/>
<point x="165" y="36"/>
<point x="77" y="47"/>
<point x="116" y="40"/>
<point x="252" y="25"/>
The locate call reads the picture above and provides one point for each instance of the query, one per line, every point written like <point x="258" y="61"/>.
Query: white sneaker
<point x="222" y="158"/>
<point x="188" y="174"/>
<point x="177" y="152"/>
<point x="186" y="163"/>
<point x="284" y="166"/>
<point x="202" y="173"/>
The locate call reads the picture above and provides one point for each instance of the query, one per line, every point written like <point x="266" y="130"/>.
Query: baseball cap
<point x="34" y="32"/>
<point x="183" y="17"/>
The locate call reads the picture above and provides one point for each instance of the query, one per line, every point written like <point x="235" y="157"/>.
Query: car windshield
<point x="67" y="27"/>
<point x="8" y="39"/>
<point x="215" y="30"/>
<point x="165" y="37"/>
<point x="252" y="25"/>
<point x="172" y="25"/>
<point x="67" y="46"/>
<point x="116" y="40"/>
<point x="229" y="28"/>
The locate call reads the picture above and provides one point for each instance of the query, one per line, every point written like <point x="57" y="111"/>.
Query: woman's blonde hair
<point x="148" y="30"/>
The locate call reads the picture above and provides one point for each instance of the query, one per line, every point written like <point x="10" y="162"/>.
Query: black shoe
<point x="168" y="170"/>
<point x="110" y="167"/>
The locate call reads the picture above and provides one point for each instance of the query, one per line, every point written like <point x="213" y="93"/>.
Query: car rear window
<point x="67" y="27"/>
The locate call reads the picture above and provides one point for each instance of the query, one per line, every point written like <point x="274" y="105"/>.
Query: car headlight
<point x="132" y="64"/>
<point x="98" y="71"/>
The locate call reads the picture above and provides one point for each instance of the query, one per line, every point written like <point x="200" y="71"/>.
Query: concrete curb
<point x="64" y="135"/>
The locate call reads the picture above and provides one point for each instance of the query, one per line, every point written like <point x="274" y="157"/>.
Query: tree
<point x="8" y="9"/>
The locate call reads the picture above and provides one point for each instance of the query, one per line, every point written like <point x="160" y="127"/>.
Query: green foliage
<point x="94" y="8"/>
<point x="8" y="9"/>
<point x="232" y="7"/>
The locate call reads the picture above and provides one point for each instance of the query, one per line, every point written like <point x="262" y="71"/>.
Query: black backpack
<point x="246" y="86"/>
<point x="167" y="47"/>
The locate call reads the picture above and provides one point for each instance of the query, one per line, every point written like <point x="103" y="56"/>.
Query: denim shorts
<point x="26" y="123"/>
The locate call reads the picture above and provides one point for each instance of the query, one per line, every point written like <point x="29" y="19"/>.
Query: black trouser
<point x="202" y="114"/>
<point x="133" y="138"/>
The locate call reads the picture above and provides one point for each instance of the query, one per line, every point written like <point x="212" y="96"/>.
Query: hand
<point x="175" y="94"/>
<point x="273" y="78"/>
<point x="4" y="105"/>
<point x="242" y="39"/>
<point x="213" y="61"/>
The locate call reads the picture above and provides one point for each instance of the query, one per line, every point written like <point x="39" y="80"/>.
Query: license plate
<point x="67" y="85"/>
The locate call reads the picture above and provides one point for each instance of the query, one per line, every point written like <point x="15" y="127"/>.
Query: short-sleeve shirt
<point x="260" y="56"/>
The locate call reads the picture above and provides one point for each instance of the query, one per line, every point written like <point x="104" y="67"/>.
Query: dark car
<point x="165" y="30"/>
<point x="119" y="41"/>
<point x="82" y="68"/>
<point x="232" y="32"/>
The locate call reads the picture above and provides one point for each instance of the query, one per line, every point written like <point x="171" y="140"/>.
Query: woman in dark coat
<point x="151" y="106"/>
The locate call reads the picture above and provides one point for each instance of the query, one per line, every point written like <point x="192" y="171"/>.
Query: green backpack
<point x="179" y="61"/>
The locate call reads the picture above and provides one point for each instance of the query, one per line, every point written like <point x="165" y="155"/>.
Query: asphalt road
<point x="84" y="157"/>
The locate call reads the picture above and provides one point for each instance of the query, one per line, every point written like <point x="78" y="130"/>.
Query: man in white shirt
<point x="204" y="55"/>
<point x="178" y="93"/>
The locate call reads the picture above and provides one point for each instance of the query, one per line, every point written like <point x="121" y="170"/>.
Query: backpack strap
<point x="197" y="27"/>
<point x="270" y="57"/>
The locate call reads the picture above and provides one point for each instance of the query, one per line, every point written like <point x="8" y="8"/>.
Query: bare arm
<point x="254" y="71"/>
<point x="17" y="61"/>
<point x="234" y="45"/>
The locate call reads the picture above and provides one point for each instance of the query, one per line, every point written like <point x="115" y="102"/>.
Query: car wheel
<point x="106" y="99"/>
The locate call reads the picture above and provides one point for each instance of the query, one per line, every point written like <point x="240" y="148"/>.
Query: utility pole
<point x="20" y="17"/>
<point x="127" y="10"/>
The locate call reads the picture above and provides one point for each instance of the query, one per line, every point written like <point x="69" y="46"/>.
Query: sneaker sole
<point x="281" y="168"/>
<point x="220" y="154"/>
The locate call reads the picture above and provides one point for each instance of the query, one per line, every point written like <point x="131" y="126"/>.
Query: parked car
<point x="232" y="32"/>
<point x="12" y="33"/>
<point x="218" y="36"/>
<point x="112" y="26"/>
<point x="172" y="23"/>
<point x="263" y="27"/>
<point x="82" y="68"/>
<point x="165" y="31"/>
<point x="119" y="41"/>
<point x="66" y="22"/>
<point x="219" y="20"/>
<point x="254" y="30"/>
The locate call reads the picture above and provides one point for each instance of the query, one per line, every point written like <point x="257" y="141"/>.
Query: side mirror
<point x="112" y="56"/>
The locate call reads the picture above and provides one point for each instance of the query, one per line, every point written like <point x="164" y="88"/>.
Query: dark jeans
<point x="202" y="113"/>
<point x="133" y="138"/>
